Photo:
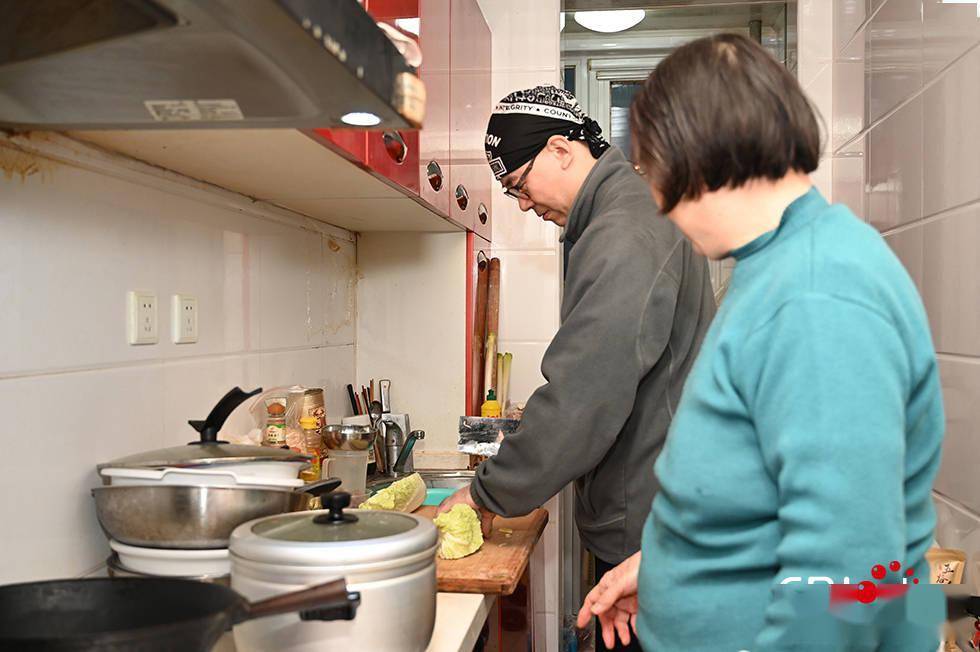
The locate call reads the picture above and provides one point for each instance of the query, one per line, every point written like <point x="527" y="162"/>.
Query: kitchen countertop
<point x="459" y="619"/>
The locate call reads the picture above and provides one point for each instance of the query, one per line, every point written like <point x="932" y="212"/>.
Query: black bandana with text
<point x="523" y="122"/>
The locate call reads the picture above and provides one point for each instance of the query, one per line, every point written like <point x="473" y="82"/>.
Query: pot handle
<point x="219" y="414"/>
<point x="330" y="601"/>
<point x="320" y="487"/>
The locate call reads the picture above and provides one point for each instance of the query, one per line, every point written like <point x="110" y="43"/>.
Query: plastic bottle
<point x="491" y="407"/>
<point x="313" y="443"/>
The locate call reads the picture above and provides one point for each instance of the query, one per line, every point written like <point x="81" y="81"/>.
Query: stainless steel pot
<point x="180" y="516"/>
<point x="387" y="557"/>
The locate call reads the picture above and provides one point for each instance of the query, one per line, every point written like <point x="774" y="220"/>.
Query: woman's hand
<point x="614" y="601"/>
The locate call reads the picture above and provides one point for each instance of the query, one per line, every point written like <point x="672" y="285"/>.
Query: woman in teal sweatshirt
<point x="809" y="430"/>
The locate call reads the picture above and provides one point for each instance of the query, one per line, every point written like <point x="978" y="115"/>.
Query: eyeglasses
<point x="516" y="191"/>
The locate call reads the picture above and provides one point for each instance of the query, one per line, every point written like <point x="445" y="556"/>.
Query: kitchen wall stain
<point x="343" y="288"/>
<point x="15" y="163"/>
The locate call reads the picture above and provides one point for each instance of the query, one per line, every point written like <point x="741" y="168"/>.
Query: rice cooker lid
<point x="334" y="536"/>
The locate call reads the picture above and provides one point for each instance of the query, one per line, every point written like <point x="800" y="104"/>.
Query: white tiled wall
<point x="276" y="301"/>
<point x="526" y="54"/>
<point x="411" y="328"/>
<point x="907" y="158"/>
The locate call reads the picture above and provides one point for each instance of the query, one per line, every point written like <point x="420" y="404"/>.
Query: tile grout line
<point x="957" y="505"/>
<point x="150" y="362"/>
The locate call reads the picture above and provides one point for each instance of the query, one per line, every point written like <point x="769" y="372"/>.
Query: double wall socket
<point x="141" y="318"/>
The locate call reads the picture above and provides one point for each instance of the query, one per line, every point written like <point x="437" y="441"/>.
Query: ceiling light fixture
<point x="360" y="119"/>
<point x="610" y="21"/>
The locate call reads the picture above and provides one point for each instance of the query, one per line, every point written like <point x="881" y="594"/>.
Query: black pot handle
<point x="210" y="427"/>
<point x="329" y="601"/>
<point x="320" y="487"/>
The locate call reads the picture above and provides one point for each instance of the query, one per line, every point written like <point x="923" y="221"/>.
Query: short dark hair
<point x="718" y="112"/>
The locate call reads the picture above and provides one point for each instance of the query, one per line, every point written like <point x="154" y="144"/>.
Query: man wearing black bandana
<point x="636" y="304"/>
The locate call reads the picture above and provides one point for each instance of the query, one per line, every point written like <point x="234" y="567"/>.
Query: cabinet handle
<point x="396" y="146"/>
<point x="433" y="172"/>
<point x="462" y="197"/>
<point x="482" y="213"/>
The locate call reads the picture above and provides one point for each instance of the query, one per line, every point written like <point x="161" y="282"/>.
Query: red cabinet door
<point x="471" y="101"/>
<point x="418" y="160"/>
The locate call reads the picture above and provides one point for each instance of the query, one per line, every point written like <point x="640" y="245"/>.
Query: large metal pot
<point x="180" y="516"/>
<point x="388" y="557"/>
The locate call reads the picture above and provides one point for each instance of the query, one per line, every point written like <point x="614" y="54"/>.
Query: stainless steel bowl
<point x="348" y="438"/>
<point x="179" y="516"/>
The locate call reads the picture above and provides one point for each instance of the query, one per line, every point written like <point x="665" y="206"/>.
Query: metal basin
<point x="435" y="479"/>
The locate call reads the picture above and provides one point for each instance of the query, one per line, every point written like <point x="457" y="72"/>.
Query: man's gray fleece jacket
<point x="636" y="304"/>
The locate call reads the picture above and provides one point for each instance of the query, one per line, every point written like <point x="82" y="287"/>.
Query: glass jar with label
<point x="274" y="434"/>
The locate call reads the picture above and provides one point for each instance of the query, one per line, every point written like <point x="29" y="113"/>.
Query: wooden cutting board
<point x="499" y="564"/>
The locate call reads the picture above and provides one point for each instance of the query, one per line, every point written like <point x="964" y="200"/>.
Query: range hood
<point x="147" y="64"/>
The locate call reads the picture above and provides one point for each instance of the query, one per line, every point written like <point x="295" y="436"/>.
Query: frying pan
<point x="152" y="615"/>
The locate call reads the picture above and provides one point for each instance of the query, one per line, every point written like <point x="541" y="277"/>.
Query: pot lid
<point x="207" y="449"/>
<point x="334" y="536"/>
<point x="205" y="454"/>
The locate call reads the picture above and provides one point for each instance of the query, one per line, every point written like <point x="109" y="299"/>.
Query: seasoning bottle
<point x="491" y="407"/>
<point x="274" y="435"/>
<point x="313" y="442"/>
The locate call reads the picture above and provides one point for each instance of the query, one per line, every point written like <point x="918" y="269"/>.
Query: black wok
<point x="146" y="614"/>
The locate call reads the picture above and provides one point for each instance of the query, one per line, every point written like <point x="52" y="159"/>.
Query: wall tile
<point x="957" y="477"/>
<point x="516" y="230"/>
<point x="525" y="375"/>
<point x="848" y="94"/>
<point x="815" y="44"/>
<point x="948" y="30"/>
<point x="91" y="417"/>
<point x="849" y="179"/>
<point x="895" y="168"/>
<point x="951" y="280"/>
<point x="951" y="157"/>
<point x="894" y="55"/>
<point x="289" y="276"/>
<point x="823" y="178"/>
<point x="411" y="327"/>
<point x="525" y="35"/>
<point x="529" y="294"/>
<point x="907" y="245"/>
<point x="848" y="16"/>
<point x="820" y="90"/>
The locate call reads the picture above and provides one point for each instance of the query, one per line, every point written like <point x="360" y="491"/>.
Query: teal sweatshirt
<point x="805" y="445"/>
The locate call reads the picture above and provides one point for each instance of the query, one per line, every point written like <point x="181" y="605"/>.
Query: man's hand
<point x="614" y="601"/>
<point x="463" y="496"/>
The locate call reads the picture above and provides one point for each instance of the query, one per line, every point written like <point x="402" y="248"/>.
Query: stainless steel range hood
<point x="145" y="64"/>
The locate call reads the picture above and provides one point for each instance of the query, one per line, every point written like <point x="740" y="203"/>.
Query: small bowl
<point x="348" y="438"/>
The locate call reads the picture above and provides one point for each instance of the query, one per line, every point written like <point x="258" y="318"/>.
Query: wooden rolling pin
<point x="479" y="335"/>
<point x="493" y="325"/>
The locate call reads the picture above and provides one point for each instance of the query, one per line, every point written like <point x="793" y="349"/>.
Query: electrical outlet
<point x="141" y="318"/>
<point x="184" y="311"/>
